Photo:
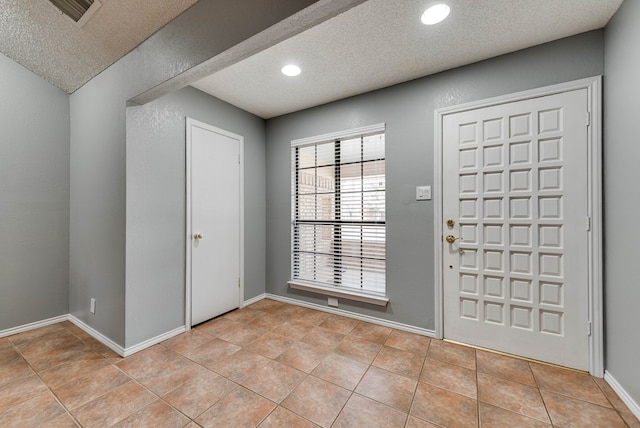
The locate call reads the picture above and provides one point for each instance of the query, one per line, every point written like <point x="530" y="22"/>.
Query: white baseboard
<point x="622" y="393"/>
<point x="360" y="317"/>
<point x="33" y="325"/>
<point x="97" y="335"/>
<point x="154" y="340"/>
<point x="125" y="352"/>
<point x="254" y="300"/>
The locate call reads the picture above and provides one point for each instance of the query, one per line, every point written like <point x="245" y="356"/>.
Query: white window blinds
<point x="338" y="211"/>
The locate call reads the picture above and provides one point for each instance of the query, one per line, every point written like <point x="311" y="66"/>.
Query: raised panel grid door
<point x="515" y="186"/>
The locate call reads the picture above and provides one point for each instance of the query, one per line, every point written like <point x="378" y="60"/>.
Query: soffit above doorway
<point x="383" y="42"/>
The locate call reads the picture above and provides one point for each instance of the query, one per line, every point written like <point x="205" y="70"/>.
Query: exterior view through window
<point x="338" y="212"/>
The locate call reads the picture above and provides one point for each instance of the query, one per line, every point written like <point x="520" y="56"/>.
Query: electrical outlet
<point x="93" y="305"/>
<point x="423" y="193"/>
<point x="333" y="302"/>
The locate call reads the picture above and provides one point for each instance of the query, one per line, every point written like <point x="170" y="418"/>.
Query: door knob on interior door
<point x="451" y="239"/>
<point x="198" y="236"/>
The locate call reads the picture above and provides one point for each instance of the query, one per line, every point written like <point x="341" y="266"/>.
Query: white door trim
<point x="593" y="85"/>
<point x="189" y="124"/>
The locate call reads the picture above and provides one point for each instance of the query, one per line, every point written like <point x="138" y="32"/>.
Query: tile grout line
<point x="236" y="385"/>
<point x="479" y="420"/>
<point x="351" y="392"/>
<point x="309" y="375"/>
<point x="544" y="403"/>
<point x="613" y="406"/>
<point x="131" y="379"/>
<point x="158" y="397"/>
<point x="415" y="391"/>
<point x="354" y="389"/>
<point x="36" y="373"/>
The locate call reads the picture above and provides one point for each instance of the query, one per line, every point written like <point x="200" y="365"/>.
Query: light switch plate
<point x="423" y="193"/>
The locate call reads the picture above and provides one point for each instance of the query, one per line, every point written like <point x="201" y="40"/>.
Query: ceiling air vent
<point x="74" y="9"/>
<point x="78" y="10"/>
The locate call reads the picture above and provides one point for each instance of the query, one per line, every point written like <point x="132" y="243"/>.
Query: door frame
<point x="593" y="85"/>
<point x="189" y="124"/>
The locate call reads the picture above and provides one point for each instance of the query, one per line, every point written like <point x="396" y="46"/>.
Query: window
<point x="338" y="211"/>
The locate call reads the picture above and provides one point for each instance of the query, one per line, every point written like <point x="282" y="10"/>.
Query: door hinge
<point x="587" y="223"/>
<point x="238" y="282"/>
<point x="588" y="118"/>
<point x="238" y="159"/>
<point x="589" y="328"/>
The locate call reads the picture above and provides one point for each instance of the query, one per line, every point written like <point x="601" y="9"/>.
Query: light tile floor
<point x="278" y="365"/>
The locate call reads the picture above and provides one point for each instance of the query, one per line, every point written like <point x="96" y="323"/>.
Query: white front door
<point x="213" y="234"/>
<point x="515" y="205"/>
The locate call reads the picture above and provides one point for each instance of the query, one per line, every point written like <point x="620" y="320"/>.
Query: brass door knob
<point x="198" y="236"/>
<point x="451" y="239"/>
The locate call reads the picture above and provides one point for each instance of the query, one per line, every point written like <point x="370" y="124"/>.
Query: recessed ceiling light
<point x="291" y="70"/>
<point x="435" y="14"/>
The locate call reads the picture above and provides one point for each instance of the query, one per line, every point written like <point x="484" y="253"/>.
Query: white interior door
<point x="515" y="189"/>
<point x="214" y="235"/>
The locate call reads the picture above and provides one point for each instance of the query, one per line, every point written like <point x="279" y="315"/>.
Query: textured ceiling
<point x="37" y="35"/>
<point x="382" y="42"/>
<point x="374" y="45"/>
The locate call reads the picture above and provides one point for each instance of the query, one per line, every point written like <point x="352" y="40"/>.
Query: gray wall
<point x="97" y="238"/>
<point x="408" y="111"/>
<point x="98" y="145"/>
<point x="622" y="197"/>
<point x="156" y="206"/>
<point x="34" y="197"/>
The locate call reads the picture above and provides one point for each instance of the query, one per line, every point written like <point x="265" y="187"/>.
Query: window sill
<point x="338" y="292"/>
